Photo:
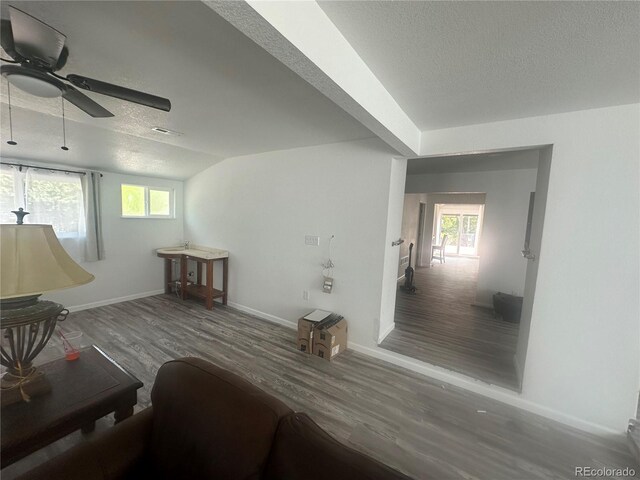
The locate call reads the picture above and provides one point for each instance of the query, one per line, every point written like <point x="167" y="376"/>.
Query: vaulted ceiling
<point x="249" y="77"/>
<point x="229" y="97"/>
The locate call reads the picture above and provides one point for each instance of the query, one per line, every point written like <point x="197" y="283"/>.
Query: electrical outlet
<point x="312" y="240"/>
<point x="305" y="294"/>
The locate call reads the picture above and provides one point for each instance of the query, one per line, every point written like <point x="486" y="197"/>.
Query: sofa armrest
<point x="111" y="455"/>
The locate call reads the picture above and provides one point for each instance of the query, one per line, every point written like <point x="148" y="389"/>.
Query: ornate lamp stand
<point x="27" y="325"/>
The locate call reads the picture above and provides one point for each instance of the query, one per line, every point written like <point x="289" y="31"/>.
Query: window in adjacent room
<point x="140" y="201"/>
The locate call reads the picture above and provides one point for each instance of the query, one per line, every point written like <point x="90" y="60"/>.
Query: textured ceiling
<point x="460" y="63"/>
<point x="479" y="162"/>
<point x="229" y="96"/>
<point x="39" y="138"/>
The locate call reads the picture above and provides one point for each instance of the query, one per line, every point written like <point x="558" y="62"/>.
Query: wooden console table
<point x="205" y="258"/>
<point x="83" y="391"/>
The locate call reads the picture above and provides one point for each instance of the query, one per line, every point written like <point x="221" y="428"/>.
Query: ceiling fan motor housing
<point x="33" y="81"/>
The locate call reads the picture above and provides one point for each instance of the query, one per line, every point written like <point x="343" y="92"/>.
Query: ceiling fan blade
<point x="84" y="103"/>
<point x="34" y="39"/>
<point x="120" y="92"/>
<point x="6" y="40"/>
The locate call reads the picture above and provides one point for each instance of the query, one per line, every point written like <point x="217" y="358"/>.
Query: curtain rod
<point x="21" y="165"/>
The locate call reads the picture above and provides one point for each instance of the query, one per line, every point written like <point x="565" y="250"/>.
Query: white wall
<point x="259" y="207"/>
<point x="583" y="358"/>
<point x="502" y="267"/>
<point x="130" y="269"/>
<point x="391" y="254"/>
<point x="535" y="246"/>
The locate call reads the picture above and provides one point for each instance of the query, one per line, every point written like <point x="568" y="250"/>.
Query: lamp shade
<point x="32" y="261"/>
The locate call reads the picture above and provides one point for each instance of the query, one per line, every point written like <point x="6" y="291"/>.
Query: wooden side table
<point x="83" y="391"/>
<point x="203" y="258"/>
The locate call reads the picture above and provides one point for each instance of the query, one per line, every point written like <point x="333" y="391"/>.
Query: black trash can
<point x="508" y="307"/>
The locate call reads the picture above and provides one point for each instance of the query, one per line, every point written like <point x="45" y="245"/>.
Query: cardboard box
<point x="305" y="335"/>
<point x="330" y="340"/>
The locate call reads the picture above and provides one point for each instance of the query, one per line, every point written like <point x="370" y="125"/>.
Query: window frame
<point x="147" y="202"/>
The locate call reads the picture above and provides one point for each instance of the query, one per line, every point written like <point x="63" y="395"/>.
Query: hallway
<point x="439" y="325"/>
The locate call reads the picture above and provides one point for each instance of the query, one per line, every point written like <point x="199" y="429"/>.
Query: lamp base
<point x="12" y="389"/>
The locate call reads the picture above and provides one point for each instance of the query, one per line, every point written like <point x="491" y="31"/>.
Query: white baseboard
<point x="386" y="332"/>
<point x="102" y="303"/>
<point x="400" y="277"/>
<point x="264" y="316"/>
<point x="483" y="305"/>
<point x="516" y="365"/>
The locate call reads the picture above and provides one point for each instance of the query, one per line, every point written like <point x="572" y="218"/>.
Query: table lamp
<point x="32" y="261"/>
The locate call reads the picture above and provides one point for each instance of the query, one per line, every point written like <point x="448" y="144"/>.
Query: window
<point x="8" y="196"/>
<point x="51" y="197"/>
<point x="461" y="224"/>
<point x="139" y="201"/>
<point x="56" y="198"/>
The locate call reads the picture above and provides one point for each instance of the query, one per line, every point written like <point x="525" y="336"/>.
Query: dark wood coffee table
<point x="83" y="391"/>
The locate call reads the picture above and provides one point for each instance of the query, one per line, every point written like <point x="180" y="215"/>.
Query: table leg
<point x="209" y="299"/>
<point x="123" y="412"/>
<point x="225" y="276"/>
<point x="89" y="427"/>
<point x="167" y="275"/>
<point x="183" y="277"/>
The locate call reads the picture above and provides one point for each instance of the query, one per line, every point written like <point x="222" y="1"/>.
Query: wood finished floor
<point x="439" y="325"/>
<point x="423" y="427"/>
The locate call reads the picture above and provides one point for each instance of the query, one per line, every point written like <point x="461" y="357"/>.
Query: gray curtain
<point x="94" y="245"/>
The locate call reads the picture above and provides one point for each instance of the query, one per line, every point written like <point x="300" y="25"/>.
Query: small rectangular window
<point x="159" y="202"/>
<point x="133" y="204"/>
<point x="139" y="201"/>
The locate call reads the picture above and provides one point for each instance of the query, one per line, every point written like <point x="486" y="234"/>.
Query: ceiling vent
<point x="166" y="131"/>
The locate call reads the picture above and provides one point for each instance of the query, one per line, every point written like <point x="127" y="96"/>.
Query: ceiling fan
<point x="38" y="51"/>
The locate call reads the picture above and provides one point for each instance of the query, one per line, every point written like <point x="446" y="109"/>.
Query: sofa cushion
<point x="210" y="423"/>
<point x="303" y="451"/>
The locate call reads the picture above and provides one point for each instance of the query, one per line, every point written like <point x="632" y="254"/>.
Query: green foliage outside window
<point x="133" y="201"/>
<point x="142" y="201"/>
<point x="449" y="226"/>
<point x="159" y="202"/>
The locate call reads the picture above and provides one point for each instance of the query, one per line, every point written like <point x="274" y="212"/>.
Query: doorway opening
<point x="476" y="233"/>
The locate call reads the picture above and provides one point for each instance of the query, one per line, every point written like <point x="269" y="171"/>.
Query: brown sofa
<point x="207" y="423"/>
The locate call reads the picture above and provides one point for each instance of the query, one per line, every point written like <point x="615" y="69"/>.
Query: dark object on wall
<point x="408" y="286"/>
<point x="509" y="307"/>
<point x="206" y="422"/>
